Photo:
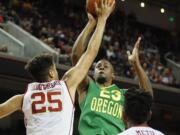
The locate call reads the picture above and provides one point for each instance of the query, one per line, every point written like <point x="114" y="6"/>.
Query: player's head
<point x="137" y="107"/>
<point x="42" y="68"/>
<point x="103" y="72"/>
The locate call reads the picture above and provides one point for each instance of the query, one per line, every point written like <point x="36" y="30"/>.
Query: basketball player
<point x="48" y="102"/>
<point x="100" y="100"/>
<point x="136" y="113"/>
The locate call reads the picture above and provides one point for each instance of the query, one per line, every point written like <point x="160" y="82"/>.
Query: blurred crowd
<point x="59" y="27"/>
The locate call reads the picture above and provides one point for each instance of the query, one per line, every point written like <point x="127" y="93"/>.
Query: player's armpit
<point x="11" y="105"/>
<point x="82" y="88"/>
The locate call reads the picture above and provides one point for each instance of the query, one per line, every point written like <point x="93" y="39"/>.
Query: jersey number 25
<point x="39" y="105"/>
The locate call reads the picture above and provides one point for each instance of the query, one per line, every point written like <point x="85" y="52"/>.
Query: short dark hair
<point x="39" y="66"/>
<point x="138" y="105"/>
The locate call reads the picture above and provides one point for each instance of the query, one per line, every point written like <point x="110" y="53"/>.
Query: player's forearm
<point x="2" y="112"/>
<point x="88" y="57"/>
<point x="143" y="78"/>
<point x="81" y="42"/>
<point x="11" y="105"/>
<point x="96" y="39"/>
<point x="80" y="70"/>
<point x="5" y="110"/>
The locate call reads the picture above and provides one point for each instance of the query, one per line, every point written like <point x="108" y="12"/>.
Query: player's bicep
<point x="84" y="84"/>
<point x="83" y="88"/>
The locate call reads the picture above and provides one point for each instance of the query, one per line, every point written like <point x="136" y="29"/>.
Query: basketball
<point x="90" y="6"/>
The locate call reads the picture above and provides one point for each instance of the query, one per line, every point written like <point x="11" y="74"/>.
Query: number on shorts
<point x="42" y="100"/>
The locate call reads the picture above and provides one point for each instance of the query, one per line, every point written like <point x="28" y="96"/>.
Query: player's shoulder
<point x="158" y="132"/>
<point x="131" y="131"/>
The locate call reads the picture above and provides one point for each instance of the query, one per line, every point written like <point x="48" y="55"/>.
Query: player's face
<point x="103" y="72"/>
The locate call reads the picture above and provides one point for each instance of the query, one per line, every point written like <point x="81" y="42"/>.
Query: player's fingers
<point x="106" y="3"/>
<point x="96" y="7"/>
<point x="102" y="3"/>
<point x="113" y="5"/>
<point x="138" y="42"/>
<point x="109" y="2"/>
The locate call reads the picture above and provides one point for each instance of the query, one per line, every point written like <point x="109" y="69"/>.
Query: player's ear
<point x="113" y="75"/>
<point x="94" y="73"/>
<point x="51" y="72"/>
<point x="150" y="114"/>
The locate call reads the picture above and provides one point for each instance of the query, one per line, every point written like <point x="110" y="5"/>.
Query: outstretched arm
<point x="134" y="60"/>
<point x="82" y="40"/>
<point x="79" y="48"/>
<point x="75" y="76"/>
<point x="11" y="105"/>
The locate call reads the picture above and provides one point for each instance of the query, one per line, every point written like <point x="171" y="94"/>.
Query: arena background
<point x="56" y="25"/>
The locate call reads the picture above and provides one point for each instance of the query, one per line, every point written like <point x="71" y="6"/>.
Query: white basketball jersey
<point x="48" y="109"/>
<point x="141" y="131"/>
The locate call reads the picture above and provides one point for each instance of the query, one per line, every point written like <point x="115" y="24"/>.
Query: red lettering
<point x="42" y="100"/>
<point x="54" y="101"/>
<point x="38" y="102"/>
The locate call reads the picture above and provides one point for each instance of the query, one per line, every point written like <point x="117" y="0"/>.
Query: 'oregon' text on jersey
<point x="101" y="111"/>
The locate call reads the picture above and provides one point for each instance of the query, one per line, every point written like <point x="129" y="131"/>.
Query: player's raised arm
<point x="79" y="48"/>
<point x="11" y="105"/>
<point x="74" y="77"/>
<point x="134" y="60"/>
<point x="82" y="40"/>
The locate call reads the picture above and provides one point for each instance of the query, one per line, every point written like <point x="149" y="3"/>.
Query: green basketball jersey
<point x="101" y="110"/>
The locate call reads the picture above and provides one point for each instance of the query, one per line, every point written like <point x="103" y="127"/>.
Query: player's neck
<point x="138" y="125"/>
<point x="106" y="84"/>
<point x="50" y="79"/>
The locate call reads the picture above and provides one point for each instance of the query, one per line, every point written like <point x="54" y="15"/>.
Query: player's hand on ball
<point x="105" y="8"/>
<point x="134" y="57"/>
